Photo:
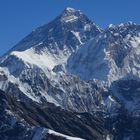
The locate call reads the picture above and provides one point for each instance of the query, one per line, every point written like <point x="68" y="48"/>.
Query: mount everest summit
<point x="70" y="79"/>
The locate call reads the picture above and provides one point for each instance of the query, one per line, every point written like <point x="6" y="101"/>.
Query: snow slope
<point x="43" y="60"/>
<point x="63" y="136"/>
<point x="42" y="132"/>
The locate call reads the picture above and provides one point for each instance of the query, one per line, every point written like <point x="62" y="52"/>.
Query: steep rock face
<point x="127" y="93"/>
<point x="124" y="126"/>
<point x="66" y="91"/>
<point x="112" y="55"/>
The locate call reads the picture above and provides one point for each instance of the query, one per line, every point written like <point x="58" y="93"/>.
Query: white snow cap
<point x="70" y="15"/>
<point x="111" y="25"/>
<point x="71" y="10"/>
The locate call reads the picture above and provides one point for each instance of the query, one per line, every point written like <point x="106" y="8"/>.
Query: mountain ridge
<point x="78" y="67"/>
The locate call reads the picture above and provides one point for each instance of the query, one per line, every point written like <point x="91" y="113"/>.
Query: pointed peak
<point x="111" y="26"/>
<point x="71" y="11"/>
<point x="70" y="15"/>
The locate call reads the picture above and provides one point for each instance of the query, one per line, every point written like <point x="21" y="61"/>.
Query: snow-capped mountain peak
<point x="56" y="41"/>
<point x="69" y="9"/>
<point x="40" y="54"/>
<point x="70" y="15"/>
<point x="74" y="65"/>
<point x="59" y="32"/>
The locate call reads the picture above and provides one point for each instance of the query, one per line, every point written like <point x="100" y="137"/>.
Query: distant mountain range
<point x="72" y="80"/>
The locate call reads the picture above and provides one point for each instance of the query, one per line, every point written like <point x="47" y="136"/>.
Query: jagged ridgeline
<point x="70" y="79"/>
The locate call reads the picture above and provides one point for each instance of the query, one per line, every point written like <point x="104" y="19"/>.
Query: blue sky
<point x="20" y="17"/>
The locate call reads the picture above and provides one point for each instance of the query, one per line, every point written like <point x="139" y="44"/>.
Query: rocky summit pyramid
<point x="70" y="79"/>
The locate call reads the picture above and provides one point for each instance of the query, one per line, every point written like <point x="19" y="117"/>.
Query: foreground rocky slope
<point x="22" y="120"/>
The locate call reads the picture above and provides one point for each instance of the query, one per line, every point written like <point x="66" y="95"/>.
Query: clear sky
<point x="20" y="17"/>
